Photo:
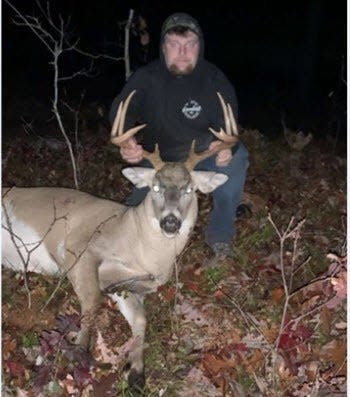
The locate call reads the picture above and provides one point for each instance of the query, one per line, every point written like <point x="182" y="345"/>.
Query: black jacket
<point x="176" y="109"/>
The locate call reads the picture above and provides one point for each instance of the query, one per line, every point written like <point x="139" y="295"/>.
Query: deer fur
<point x="101" y="244"/>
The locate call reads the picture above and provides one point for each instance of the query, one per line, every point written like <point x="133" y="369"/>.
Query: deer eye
<point x="156" y="188"/>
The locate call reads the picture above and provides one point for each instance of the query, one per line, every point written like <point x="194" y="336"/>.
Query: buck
<point x="103" y="246"/>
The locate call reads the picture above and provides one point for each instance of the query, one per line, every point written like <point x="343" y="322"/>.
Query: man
<point x="176" y="96"/>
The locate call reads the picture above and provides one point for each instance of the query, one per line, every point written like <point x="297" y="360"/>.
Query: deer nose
<point x="170" y="223"/>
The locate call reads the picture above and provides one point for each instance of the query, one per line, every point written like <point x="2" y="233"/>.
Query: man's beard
<point x="173" y="69"/>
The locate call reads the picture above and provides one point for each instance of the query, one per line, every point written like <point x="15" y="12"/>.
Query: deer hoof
<point x="136" y="381"/>
<point x="83" y="340"/>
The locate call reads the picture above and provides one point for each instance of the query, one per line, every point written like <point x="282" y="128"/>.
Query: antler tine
<point x="194" y="158"/>
<point x="234" y="128"/>
<point x="226" y="139"/>
<point x="231" y="133"/>
<point x="116" y="120"/>
<point x="154" y="158"/>
<point x="226" y="116"/>
<point x="124" y="108"/>
<point x="117" y="135"/>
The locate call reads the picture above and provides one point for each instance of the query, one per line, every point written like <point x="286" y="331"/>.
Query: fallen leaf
<point x="214" y="365"/>
<point x="8" y="346"/>
<point x="199" y="385"/>
<point x="254" y="361"/>
<point x="168" y="293"/>
<point x="283" y="369"/>
<point x="311" y="370"/>
<point x="104" y="354"/>
<point x="325" y="318"/>
<point x="335" y="352"/>
<point x="277" y="294"/>
<point x="191" y="313"/>
<point x="14" y="368"/>
<point x="341" y="325"/>
<point x="270" y="333"/>
<point x="310" y="304"/>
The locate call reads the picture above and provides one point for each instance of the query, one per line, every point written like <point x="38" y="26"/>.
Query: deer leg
<point x="132" y="309"/>
<point x="84" y="277"/>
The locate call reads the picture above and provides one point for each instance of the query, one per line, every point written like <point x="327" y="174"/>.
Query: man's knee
<point x="237" y="167"/>
<point x="240" y="157"/>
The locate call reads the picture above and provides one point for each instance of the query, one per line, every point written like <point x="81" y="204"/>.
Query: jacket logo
<point x="191" y="109"/>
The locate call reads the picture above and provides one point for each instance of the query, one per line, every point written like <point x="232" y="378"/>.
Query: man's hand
<point x="223" y="157"/>
<point x="131" y="151"/>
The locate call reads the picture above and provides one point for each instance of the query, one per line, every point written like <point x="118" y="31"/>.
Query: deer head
<point x="173" y="185"/>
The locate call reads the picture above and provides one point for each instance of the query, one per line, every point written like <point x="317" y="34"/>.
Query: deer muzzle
<point x="170" y="224"/>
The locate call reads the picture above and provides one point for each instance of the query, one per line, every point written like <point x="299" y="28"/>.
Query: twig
<point x="59" y="119"/>
<point x="21" y="244"/>
<point x="295" y="252"/>
<point x="24" y="262"/>
<point x="290" y="232"/>
<point x="248" y="319"/>
<point x="57" y="44"/>
<point x="306" y="261"/>
<point x="312" y="311"/>
<point x="77" y="258"/>
<point x="76" y="113"/>
<point x="126" y="45"/>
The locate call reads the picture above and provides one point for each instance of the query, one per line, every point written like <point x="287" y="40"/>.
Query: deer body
<point x="102" y="245"/>
<point x="120" y="237"/>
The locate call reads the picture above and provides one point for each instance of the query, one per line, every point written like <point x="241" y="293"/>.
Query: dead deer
<point x="102" y="245"/>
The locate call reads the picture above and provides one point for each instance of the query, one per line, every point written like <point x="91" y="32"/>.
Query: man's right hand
<point x="131" y="151"/>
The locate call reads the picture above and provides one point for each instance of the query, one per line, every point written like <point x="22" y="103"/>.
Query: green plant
<point x="29" y="339"/>
<point x="256" y="238"/>
<point x="213" y="276"/>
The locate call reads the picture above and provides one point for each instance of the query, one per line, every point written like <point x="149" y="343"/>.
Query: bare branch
<point x="35" y="28"/>
<point x="19" y="243"/>
<point x="56" y="43"/>
<point x="24" y="261"/>
<point x="126" y="45"/>
<point x="83" y="72"/>
<point x="76" y="113"/>
<point x="98" y="56"/>
<point x="77" y="258"/>
<point x="60" y="123"/>
<point x="294" y="233"/>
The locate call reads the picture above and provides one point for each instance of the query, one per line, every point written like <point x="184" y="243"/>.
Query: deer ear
<point x="207" y="181"/>
<point x="139" y="176"/>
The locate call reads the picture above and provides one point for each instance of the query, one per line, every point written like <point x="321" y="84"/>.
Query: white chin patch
<point x="169" y="235"/>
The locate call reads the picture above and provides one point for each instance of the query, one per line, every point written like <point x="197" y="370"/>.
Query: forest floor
<point x="269" y="322"/>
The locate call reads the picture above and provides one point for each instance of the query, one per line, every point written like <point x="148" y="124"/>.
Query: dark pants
<point x="226" y="198"/>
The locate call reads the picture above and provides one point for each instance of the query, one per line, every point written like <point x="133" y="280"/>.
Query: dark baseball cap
<point x="180" y="19"/>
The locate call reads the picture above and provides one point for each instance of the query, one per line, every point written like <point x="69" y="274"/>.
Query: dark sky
<point x="278" y="55"/>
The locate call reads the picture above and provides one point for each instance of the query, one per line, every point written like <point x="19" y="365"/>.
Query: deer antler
<point x="226" y="138"/>
<point x="119" y="137"/>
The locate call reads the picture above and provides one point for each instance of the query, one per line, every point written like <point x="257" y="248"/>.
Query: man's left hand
<point x="223" y="157"/>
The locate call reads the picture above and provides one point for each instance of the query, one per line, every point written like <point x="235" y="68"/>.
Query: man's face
<point x="181" y="52"/>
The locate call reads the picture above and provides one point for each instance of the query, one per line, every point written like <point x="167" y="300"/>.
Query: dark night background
<point x="280" y="56"/>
